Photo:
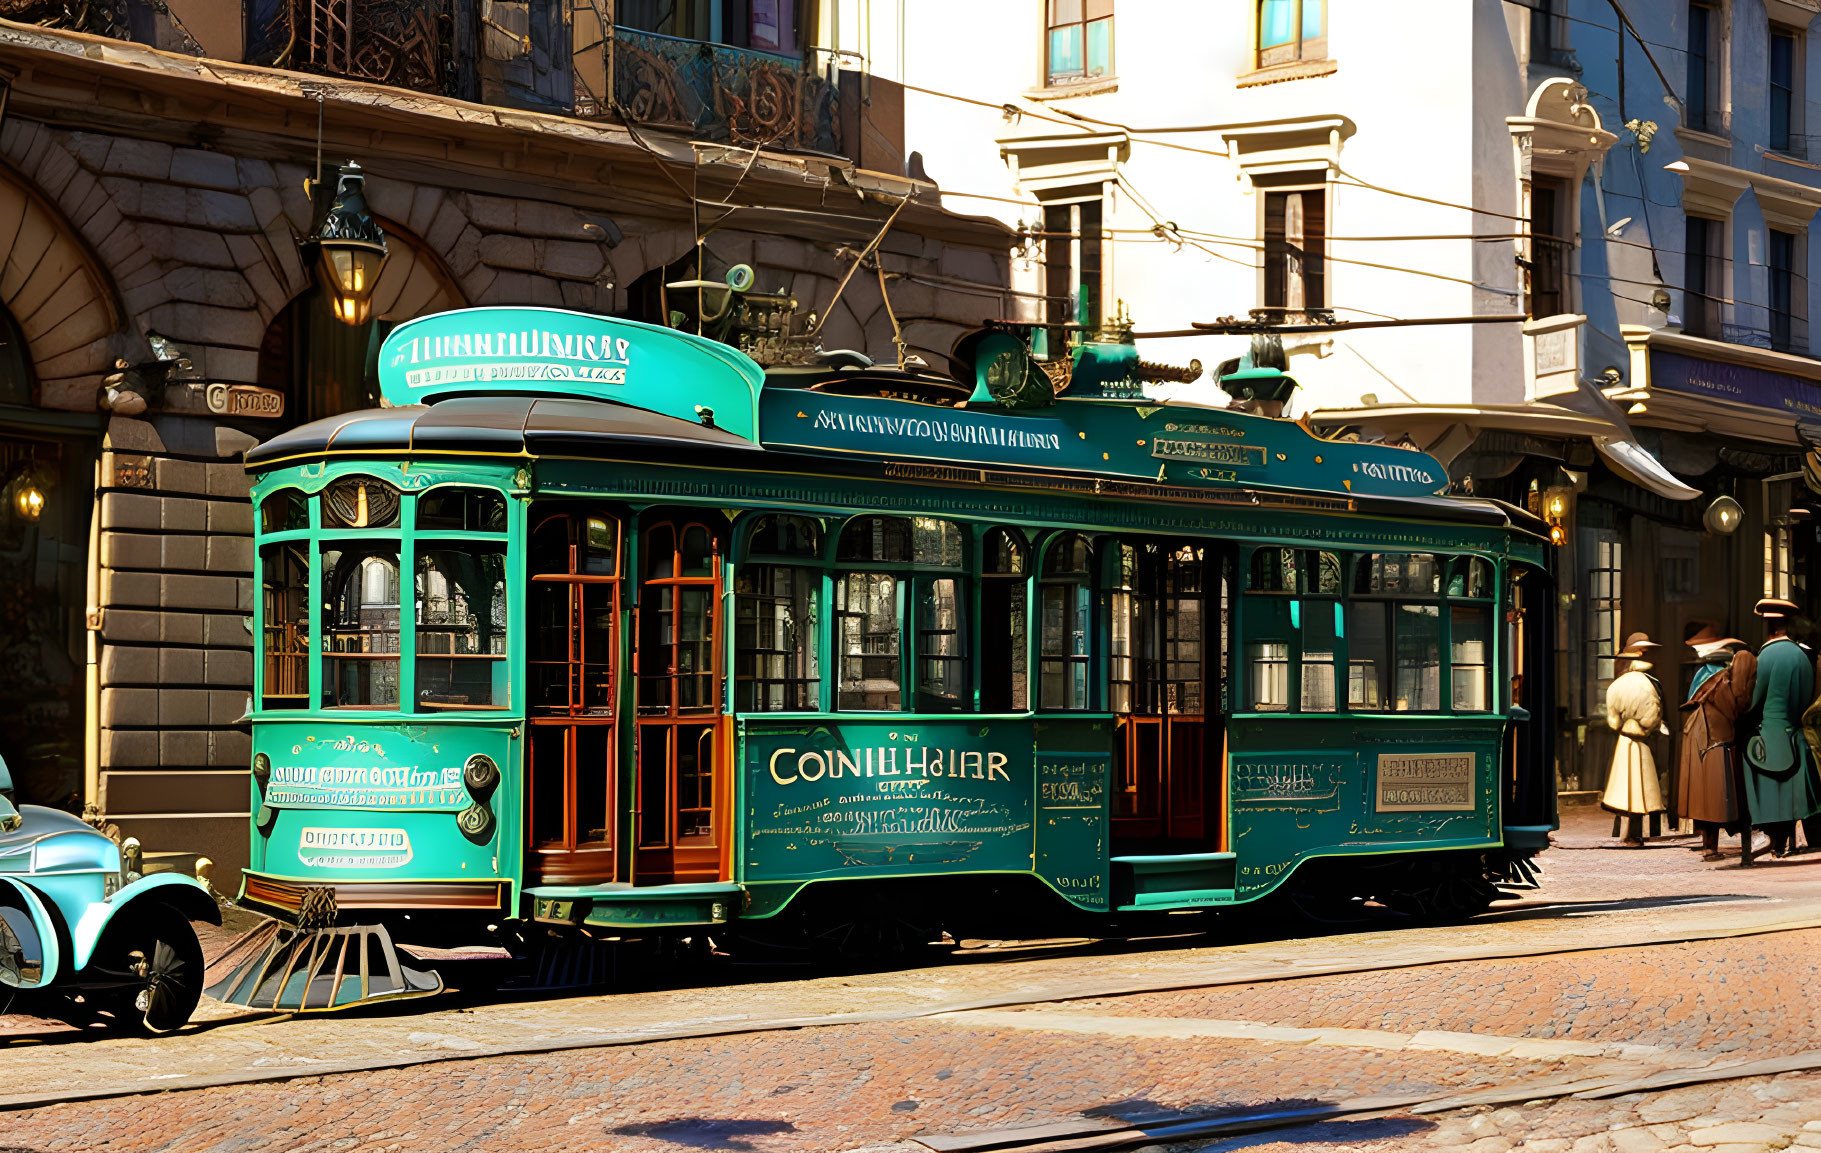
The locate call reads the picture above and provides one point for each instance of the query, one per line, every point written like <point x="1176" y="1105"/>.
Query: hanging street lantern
<point x="350" y="246"/>
<point x="1722" y="516"/>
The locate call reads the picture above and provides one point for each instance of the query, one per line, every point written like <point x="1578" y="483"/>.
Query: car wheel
<point x="154" y="955"/>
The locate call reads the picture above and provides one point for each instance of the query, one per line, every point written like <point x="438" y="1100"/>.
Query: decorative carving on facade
<point x="403" y="43"/>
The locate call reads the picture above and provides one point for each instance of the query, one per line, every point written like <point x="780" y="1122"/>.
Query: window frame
<point x="1314" y="255"/>
<point x="911" y="578"/>
<point x="813" y="564"/>
<point x="1351" y="603"/>
<point x="1706" y="114"/>
<point x="1087" y="596"/>
<point x="1300" y="48"/>
<point x="1053" y="79"/>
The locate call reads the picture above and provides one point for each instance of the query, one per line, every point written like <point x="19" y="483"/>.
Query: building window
<point x="1548" y="41"/>
<point x="1704" y="101"/>
<point x="1785" y="91"/>
<point x="1073" y="235"/>
<point x="1782" y="290"/>
<point x="1701" y="278"/>
<point x="1291" y="30"/>
<point x="1295" y="231"/>
<point x="1550" y="246"/>
<point x="1603" y="608"/>
<point x="768" y="25"/>
<point x="1079" y="41"/>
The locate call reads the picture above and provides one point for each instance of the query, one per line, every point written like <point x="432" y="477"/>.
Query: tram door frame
<point x="1169" y="732"/>
<point x="567" y="706"/>
<point x="680" y="715"/>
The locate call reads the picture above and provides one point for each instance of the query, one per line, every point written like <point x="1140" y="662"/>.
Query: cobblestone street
<point x="1382" y="1021"/>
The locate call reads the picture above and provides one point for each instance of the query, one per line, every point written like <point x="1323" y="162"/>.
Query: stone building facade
<point x="151" y="203"/>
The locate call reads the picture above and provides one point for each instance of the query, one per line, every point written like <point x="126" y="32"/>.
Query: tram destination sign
<point x="553" y="352"/>
<point x="1426" y="782"/>
<point x="1171" y="444"/>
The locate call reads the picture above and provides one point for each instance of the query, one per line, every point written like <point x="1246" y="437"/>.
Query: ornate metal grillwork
<point x="99" y="17"/>
<point x="402" y="43"/>
<point x="721" y="93"/>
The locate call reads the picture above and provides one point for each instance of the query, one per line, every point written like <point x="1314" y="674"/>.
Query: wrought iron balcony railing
<point x="721" y="93"/>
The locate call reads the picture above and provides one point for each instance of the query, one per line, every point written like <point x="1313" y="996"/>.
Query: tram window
<point x="360" y="627"/>
<point x="1321" y="632"/>
<point x="1129" y="621"/>
<point x="1470" y="657"/>
<point x="880" y="539"/>
<point x="785" y="536"/>
<point x="286" y="510"/>
<point x="677" y="621"/>
<point x="941" y="647"/>
<point x="1470" y="577"/>
<point x="1368" y="655"/>
<point x="285" y="602"/>
<point x="936" y="542"/>
<point x="1418" y="638"/>
<point x="775" y="616"/>
<point x="868" y="608"/>
<point x="360" y="502"/>
<point x="1270" y="629"/>
<point x="1005" y="639"/>
<point x="461" y="510"/>
<point x="1180" y="631"/>
<point x="1408" y="574"/>
<point x="1065" y="595"/>
<point x="1275" y="570"/>
<point x="461" y="628"/>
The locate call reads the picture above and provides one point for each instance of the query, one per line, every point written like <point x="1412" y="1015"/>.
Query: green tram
<point x="599" y="628"/>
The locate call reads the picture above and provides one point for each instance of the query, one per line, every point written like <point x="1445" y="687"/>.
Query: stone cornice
<point x="92" y="83"/>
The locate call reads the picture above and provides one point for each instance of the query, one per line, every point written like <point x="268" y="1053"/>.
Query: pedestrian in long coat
<point x="1634" y="708"/>
<point x="1707" y="785"/>
<point x="1781" y="785"/>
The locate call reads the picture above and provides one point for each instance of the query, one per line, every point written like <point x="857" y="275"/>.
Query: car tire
<point x="158" y="946"/>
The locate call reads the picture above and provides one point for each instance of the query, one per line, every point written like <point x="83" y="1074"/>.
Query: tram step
<point x="1177" y="880"/>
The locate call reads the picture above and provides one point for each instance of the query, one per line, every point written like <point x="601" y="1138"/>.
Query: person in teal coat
<point x="1781" y="780"/>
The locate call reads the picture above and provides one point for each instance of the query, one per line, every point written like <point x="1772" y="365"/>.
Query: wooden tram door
<point x="1166" y="795"/>
<point x="683" y="790"/>
<point x="572" y="660"/>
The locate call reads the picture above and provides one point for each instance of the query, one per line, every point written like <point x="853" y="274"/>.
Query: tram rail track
<point x="1245" y="972"/>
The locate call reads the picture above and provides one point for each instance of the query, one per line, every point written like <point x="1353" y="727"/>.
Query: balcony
<point x="725" y="94"/>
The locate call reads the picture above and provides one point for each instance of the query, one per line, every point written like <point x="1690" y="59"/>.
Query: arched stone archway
<point x="56" y="292"/>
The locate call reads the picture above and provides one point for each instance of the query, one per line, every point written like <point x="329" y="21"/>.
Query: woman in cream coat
<point x="1634" y="708"/>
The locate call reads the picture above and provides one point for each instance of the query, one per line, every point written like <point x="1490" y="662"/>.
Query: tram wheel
<point x="876" y="941"/>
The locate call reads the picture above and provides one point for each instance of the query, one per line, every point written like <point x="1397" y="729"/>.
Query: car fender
<point x="183" y="894"/>
<point x="53" y="937"/>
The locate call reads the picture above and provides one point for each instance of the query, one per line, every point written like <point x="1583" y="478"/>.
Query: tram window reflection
<point x="775" y="618"/>
<point x="936" y="542"/>
<point x="285" y="603"/>
<point x="1321" y="634"/>
<point x="1470" y="653"/>
<point x="880" y="539"/>
<point x="868" y="609"/>
<point x="1418" y="636"/>
<point x="461" y="510"/>
<point x="1368" y="655"/>
<point x="781" y="536"/>
<point x="360" y="627"/>
<point x="1389" y="574"/>
<point x="286" y="510"/>
<point x="1004" y="624"/>
<point x="1066" y="600"/>
<point x="941" y="647"/>
<point x="461" y="628"/>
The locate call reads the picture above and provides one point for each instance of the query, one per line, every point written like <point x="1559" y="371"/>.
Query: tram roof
<point x="542" y="382"/>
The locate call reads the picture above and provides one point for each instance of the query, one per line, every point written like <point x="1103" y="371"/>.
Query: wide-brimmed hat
<point x="1777" y="607"/>
<point x="1638" y="645"/>
<point x="1710" y="636"/>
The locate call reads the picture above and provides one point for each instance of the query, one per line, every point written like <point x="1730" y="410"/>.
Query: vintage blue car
<point x="73" y="921"/>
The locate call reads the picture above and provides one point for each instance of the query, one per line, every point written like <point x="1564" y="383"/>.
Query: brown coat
<point x="1704" y="787"/>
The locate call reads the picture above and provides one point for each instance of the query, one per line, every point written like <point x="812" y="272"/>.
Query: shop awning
<point x="1427" y="424"/>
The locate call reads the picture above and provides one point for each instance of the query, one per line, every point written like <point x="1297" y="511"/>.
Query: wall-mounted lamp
<point x="25" y="496"/>
<point x="1558" y="512"/>
<point x="1723" y="516"/>
<point x="347" y="244"/>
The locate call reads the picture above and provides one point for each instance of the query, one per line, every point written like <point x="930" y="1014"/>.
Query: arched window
<point x="1065" y="637"/>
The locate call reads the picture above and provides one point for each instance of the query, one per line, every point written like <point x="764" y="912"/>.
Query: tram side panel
<point x="398" y="804"/>
<point x="1308" y="786"/>
<point x="828" y="800"/>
